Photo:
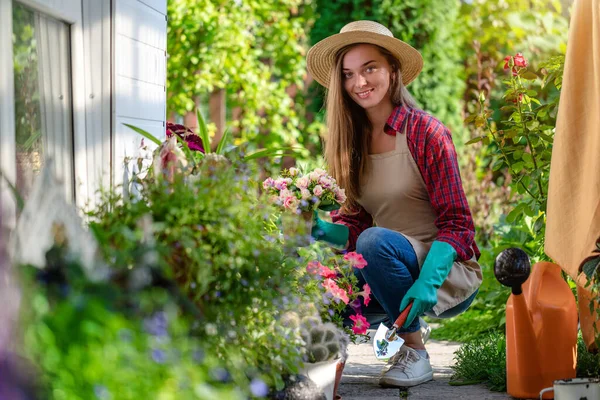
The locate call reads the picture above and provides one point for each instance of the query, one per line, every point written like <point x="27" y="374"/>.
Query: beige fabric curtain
<point x="573" y="214"/>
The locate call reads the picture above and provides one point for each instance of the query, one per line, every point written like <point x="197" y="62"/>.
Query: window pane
<point x="43" y="106"/>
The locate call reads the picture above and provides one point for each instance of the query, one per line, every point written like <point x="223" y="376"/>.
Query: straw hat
<point x="321" y="57"/>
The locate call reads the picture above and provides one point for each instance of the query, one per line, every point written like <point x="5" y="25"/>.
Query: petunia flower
<point x="356" y="259"/>
<point x="360" y="324"/>
<point x="314" y="267"/>
<point x="336" y="292"/>
<point x="365" y="293"/>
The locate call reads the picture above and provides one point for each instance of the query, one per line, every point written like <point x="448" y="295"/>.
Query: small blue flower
<point x="159" y="356"/>
<point x="256" y="253"/>
<point x="157" y="325"/>
<point x="258" y="388"/>
<point x="101" y="392"/>
<point x="220" y="374"/>
<point x="244" y="282"/>
<point x="198" y="356"/>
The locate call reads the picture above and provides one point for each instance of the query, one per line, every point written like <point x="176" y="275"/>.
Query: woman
<point x="399" y="169"/>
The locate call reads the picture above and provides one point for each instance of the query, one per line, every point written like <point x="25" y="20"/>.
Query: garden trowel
<point x="386" y="342"/>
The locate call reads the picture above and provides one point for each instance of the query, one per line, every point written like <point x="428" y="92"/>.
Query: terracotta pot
<point x="338" y="378"/>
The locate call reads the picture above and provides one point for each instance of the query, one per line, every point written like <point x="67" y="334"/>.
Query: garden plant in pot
<point x="325" y="348"/>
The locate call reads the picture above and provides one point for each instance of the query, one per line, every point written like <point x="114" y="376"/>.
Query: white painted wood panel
<point x="137" y="21"/>
<point x="140" y="61"/>
<point x="141" y="100"/>
<point x="65" y="10"/>
<point x="139" y="78"/>
<point x="158" y="5"/>
<point x="97" y="49"/>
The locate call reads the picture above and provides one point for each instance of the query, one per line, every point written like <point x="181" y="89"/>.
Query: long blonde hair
<point x="349" y="128"/>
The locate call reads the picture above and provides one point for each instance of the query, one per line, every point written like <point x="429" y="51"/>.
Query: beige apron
<point x="395" y="195"/>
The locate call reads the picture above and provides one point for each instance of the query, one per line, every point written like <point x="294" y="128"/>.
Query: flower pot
<point x="324" y="374"/>
<point x="338" y="378"/>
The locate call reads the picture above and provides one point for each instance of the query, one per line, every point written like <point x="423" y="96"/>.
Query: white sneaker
<point x="405" y="369"/>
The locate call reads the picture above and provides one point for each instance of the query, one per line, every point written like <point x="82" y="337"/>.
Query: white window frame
<point x="70" y="12"/>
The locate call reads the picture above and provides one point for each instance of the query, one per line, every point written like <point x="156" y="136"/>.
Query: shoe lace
<point x="402" y="359"/>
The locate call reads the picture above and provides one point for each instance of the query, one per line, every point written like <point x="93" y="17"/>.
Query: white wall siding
<point x="96" y="168"/>
<point x="139" y="91"/>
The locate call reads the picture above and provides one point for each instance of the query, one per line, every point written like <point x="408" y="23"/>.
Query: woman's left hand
<point x="434" y="272"/>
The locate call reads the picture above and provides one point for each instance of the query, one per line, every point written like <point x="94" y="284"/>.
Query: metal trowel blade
<point x="383" y="348"/>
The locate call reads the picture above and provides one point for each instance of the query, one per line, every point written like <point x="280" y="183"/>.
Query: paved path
<point x="359" y="381"/>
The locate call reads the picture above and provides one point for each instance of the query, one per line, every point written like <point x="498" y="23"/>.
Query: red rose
<point x="520" y="61"/>
<point x="506" y="62"/>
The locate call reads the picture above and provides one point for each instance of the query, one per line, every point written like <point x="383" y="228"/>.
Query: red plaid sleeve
<point x="432" y="148"/>
<point x="356" y="224"/>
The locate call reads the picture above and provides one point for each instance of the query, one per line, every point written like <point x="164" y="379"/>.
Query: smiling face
<point x="366" y="76"/>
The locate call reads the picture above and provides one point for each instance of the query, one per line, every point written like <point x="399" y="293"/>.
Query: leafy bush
<point x="482" y="360"/>
<point x="122" y="336"/>
<point x="252" y="50"/>
<point x="209" y="231"/>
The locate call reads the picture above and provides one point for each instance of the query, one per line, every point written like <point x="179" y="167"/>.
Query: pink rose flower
<point x="360" y="324"/>
<point x="318" y="191"/>
<point x="356" y="259"/>
<point x="268" y="183"/>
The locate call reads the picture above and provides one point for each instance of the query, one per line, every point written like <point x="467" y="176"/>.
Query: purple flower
<point x="198" y="356"/>
<point x="158" y="356"/>
<point x="157" y="324"/>
<point x="101" y="392"/>
<point x="220" y="374"/>
<point x="258" y="388"/>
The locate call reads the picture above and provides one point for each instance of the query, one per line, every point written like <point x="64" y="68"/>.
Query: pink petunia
<point x="356" y="259"/>
<point x="366" y="294"/>
<point x="336" y="292"/>
<point x="360" y="324"/>
<point x="314" y="267"/>
<point x="327" y="272"/>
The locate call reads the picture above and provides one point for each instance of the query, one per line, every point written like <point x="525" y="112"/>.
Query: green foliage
<point x="482" y="360"/>
<point x="209" y="233"/>
<point x="522" y="143"/>
<point x="117" y="337"/>
<point x="253" y="50"/>
<point x="588" y="364"/>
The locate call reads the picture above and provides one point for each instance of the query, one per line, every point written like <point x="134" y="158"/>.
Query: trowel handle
<point x="403" y="315"/>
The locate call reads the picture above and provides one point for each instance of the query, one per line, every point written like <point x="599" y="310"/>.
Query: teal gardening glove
<point x="335" y="234"/>
<point x="435" y="270"/>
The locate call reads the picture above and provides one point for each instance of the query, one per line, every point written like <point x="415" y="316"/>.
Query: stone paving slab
<point x="361" y="373"/>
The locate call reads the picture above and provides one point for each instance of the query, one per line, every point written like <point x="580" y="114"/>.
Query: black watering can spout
<point x="512" y="268"/>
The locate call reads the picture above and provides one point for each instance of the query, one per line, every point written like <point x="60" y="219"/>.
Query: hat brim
<point x="320" y="59"/>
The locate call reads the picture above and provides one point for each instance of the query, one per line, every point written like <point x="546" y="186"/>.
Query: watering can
<point x="541" y="324"/>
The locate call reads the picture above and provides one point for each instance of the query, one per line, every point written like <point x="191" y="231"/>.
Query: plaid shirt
<point x="430" y="144"/>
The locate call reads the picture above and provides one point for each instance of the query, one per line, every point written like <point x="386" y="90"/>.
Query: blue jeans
<point x="391" y="270"/>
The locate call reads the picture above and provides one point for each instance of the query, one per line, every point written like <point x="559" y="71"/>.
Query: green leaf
<point x="497" y="165"/>
<point x="529" y="75"/>
<point x="18" y="199"/>
<point x="527" y="158"/>
<point x="144" y="133"/>
<point x="589" y="267"/>
<point x="223" y="142"/>
<point x="531" y="93"/>
<point x="203" y="130"/>
<point x="517" y="167"/>
<point x="475" y="140"/>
